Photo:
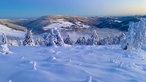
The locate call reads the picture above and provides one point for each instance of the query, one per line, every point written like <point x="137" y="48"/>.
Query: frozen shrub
<point x="68" y="40"/>
<point x="39" y="41"/>
<point x="5" y="49"/>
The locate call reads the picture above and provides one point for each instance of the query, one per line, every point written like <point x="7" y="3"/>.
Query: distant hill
<point x="41" y="24"/>
<point x="74" y="26"/>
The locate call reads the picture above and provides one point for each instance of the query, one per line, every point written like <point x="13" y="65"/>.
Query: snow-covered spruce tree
<point x="68" y="40"/>
<point x="20" y="43"/>
<point x="4" y="45"/>
<point x="78" y="41"/>
<point x="83" y="41"/>
<point x="60" y="41"/>
<point x="4" y="39"/>
<point x="89" y="41"/>
<point x="46" y="39"/>
<point x="39" y="41"/>
<point x="5" y="49"/>
<point x="49" y="38"/>
<point x="28" y="40"/>
<point x="135" y="36"/>
<point x="94" y="38"/>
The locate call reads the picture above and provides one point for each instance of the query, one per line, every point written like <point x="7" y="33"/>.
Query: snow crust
<point x="73" y="64"/>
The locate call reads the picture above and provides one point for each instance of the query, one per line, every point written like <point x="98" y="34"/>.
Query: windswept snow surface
<point x="73" y="64"/>
<point x="11" y="32"/>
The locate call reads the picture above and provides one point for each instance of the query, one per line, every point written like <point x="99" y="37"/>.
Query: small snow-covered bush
<point x="68" y="40"/>
<point x="39" y="41"/>
<point x="5" y="49"/>
<point x="12" y="43"/>
<point x="81" y="41"/>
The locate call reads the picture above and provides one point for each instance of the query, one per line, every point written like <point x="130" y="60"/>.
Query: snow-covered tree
<point x="28" y="40"/>
<point x="89" y="41"/>
<point x="4" y="45"/>
<point x="94" y="38"/>
<point x="135" y="36"/>
<point x="49" y="38"/>
<point x="5" y="49"/>
<point x="59" y="38"/>
<point x="68" y="40"/>
<point x="39" y="41"/>
<point x="46" y="39"/>
<point x="78" y="40"/>
<point x="83" y="41"/>
<point x="122" y="37"/>
<point x="4" y="39"/>
<point x="20" y="43"/>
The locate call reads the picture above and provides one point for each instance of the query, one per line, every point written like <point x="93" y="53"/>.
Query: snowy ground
<point x="73" y="64"/>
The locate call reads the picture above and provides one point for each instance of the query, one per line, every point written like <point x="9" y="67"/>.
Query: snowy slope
<point x="72" y="64"/>
<point x="61" y="23"/>
<point x="11" y="32"/>
<point x="58" y="24"/>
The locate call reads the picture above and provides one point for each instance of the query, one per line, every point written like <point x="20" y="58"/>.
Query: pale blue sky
<point x="35" y="8"/>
